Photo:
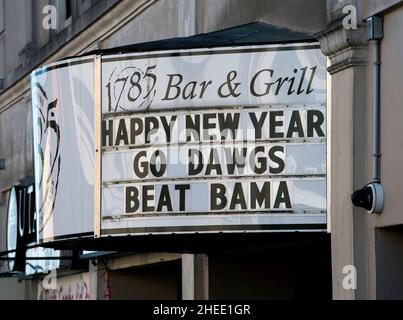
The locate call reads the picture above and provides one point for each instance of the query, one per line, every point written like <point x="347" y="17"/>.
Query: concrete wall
<point x="41" y="36"/>
<point x="16" y="35"/>
<point x="27" y="43"/>
<point x="14" y="289"/>
<point x="353" y="230"/>
<point x="369" y="8"/>
<point x="383" y="252"/>
<point x="149" y="26"/>
<point x="16" y="143"/>
<point x="391" y="119"/>
<point x="308" y="16"/>
<point x="17" y="149"/>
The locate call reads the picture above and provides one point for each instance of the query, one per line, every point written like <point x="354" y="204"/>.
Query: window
<point x="65" y="9"/>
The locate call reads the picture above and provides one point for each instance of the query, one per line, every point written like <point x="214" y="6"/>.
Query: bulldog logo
<point x="48" y="146"/>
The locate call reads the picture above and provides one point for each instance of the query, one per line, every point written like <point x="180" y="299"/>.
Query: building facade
<point x="361" y="254"/>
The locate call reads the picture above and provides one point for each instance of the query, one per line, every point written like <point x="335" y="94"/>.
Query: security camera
<point x="371" y="198"/>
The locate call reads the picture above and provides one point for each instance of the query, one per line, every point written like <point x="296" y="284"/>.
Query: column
<point x="195" y="281"/>
<point x="348" y="153"/>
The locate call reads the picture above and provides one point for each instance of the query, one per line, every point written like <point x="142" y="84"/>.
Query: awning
<point x="255" y="33"/>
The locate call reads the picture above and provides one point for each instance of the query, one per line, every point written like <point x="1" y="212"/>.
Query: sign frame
<point x="163" y="230"/>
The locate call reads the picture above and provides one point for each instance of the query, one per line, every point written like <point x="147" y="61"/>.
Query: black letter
<point x="147" y="197"/>
<point x="136" y="165"/>
<point x="133" y="131"/>
<point x="149" y="130"/>
<point x="258" y="124"/>
<point x="214" y="163"/>
<point x="192" y="127"/>
<point x="122" y="133"/>
<point x="176" y="86"/>
<point x="229" y="123"/>
<point x="282" y="196"/>
<point x="163" y="163"/>
<point x="132" y="199"/>
<point x="309" y="90"/>
<point x="274" y="123"/>
<point x="238" y="197"/>
<point x="182" y="195"/>
<point x="217" y="191"/>
<point x="278" y="160"/>
<point x="168" y="127"/>
<point x="207" y="125"/>
<point x="165" y="199"/>
<point x="295" y="125"/>
<point x="192" y="170"/>
<point x="107" y="132"/>
<point x="280" y="82"/>
<point x="268" y="85"/>
<point x="262" y="161"/>
<point x="191" y="95"/>
<point x="260" y="195"/>
<point x="301" y="82"/>
<point x="237" y="159"/>
<point x="315" y="125"/>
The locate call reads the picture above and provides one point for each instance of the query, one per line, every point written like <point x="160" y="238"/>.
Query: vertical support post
<point x="97" y="145"/>
<point x="348" y="54"/>
<point x="195" y="277"/>
<point x="188" y="277"/>
<point x="201" y="277"/>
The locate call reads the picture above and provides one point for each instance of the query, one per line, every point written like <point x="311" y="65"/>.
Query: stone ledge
<point x="345" y="48"/>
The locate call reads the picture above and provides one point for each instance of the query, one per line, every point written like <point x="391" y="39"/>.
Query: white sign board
<point x="203" y="140"/>
<point x="63" y="124"/>
<point x="230" y="139"/>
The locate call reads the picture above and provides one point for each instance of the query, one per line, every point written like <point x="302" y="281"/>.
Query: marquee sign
<point x="203" y="140"/>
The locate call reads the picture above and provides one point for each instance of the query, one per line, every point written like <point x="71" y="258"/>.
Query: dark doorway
<point x="298" y="269"/>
